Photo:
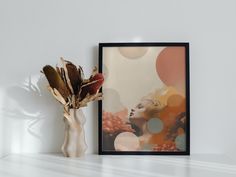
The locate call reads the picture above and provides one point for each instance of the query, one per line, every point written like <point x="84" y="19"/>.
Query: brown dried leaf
<point x="74" y="76"/>
<point x="81" y="80"/>
<point x="81" y="72"/>
<point x="58" y="70"/>
<point x="93" y="86"/>
<point x="55" y="81"/>
<point x="64" y="63"/>
<point x="88" y="99"/>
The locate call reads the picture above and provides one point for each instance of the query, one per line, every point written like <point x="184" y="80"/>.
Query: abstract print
<point x="144" y="99"/>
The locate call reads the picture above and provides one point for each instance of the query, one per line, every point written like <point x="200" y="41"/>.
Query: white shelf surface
<point x="54" y="165"/>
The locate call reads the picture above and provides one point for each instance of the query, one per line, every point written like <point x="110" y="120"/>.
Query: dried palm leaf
<point x="58" y="70"/>
<point x="86" y="83"/>
<point x="74" y="76"/>
<point x="88" y="98"/>
<point x="64" y="63"/>
<point x="63" y="75"/>
<point x="95" y="71"/>
<point x="70" y="88"/>
<point x="55" y="81"/>
<point x="57" y="95"/>
<point x="67" y="79"/>
<point x="73" y="101"/>
<point x="81" y="72"/>
<point x="93" y="86"/>
<point x="81" y="79"/>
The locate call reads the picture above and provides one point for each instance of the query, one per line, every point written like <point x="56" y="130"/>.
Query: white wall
<point x="35" y="33"/>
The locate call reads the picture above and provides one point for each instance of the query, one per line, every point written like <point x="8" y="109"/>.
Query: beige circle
<point x="111" y="101"/>
<point x="126" y="141"/>
<point x="133" y="52"/>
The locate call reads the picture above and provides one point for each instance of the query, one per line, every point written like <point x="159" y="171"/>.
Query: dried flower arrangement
<point x="69" y="86"/>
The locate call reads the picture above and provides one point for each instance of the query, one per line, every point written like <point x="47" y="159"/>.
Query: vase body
<point x="74" y="141"/>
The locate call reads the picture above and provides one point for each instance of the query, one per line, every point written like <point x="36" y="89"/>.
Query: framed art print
<point x="145" y="106"/>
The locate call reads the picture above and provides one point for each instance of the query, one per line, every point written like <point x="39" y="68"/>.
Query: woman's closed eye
<point x="140" y="106"/>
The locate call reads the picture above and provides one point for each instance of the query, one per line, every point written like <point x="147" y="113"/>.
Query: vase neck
<point x="77" y="115"/>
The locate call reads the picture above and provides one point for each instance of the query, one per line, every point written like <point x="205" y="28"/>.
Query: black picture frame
<point x="187" y="84"/>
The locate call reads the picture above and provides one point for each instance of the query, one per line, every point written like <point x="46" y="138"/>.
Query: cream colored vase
<point x="74" y="143"/>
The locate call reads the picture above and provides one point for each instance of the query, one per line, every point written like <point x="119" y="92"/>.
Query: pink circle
<point x="170" y="66"/>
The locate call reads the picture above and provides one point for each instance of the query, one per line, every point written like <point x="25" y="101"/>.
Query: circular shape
<point x="133" y="52"/>
<point x="109" y="104"/>
<point x="155" y="125"/>
<point x="180" y="142"/>
<point x="175" y="100"/>
<point x="126" y="141"/>
<point x="170" y="66"/>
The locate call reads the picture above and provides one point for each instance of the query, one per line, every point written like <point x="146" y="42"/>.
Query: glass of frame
<point x="145" y="106"/>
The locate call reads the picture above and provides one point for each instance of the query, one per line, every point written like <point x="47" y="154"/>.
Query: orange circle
<point x="175" y="100"/>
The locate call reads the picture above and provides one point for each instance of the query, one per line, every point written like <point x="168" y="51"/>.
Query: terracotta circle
<point x="170" y="66"/>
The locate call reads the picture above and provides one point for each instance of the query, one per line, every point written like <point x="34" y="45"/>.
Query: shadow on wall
<point x="32" y="118"/>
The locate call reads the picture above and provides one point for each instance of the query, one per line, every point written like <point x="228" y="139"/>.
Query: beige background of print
<point x="129" y="78"/>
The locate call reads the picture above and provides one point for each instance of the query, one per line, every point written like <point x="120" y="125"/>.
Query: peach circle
<point x="126" y="141"/>
<point x="133" y="52"/>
